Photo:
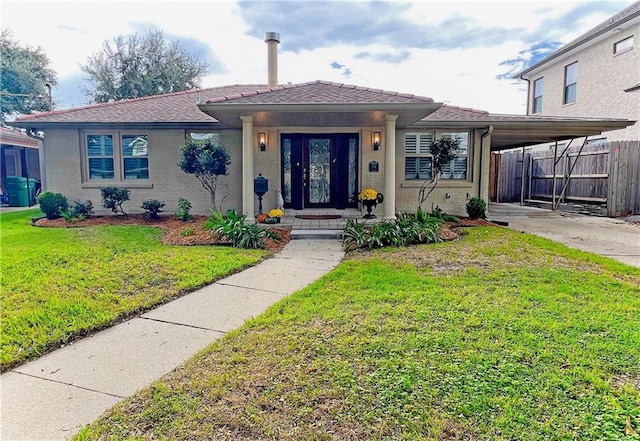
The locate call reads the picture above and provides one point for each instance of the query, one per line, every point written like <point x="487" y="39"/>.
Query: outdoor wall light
<point x="262" y="141"/>
<point x="376" y="140"/>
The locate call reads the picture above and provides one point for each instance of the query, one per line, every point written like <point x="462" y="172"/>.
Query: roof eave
<point x="43" y="125"/>
<point x="284" y="113"/>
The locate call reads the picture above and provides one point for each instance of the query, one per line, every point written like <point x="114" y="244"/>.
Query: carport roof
<point x="511" y="131"/>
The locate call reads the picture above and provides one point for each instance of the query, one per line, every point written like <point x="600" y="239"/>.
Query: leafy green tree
<point x="25" y="74"/>
<point x="138" y="66"/>
<point x="206" y="160"/>
<point x="443" y="151"/>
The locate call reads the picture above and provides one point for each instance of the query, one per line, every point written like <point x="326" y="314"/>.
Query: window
<point x="201" y="136"/>
<point x="457" y="168"/>
<point x="100" y="155"/>
<point x="570" y="83"/>
<point x="135" y="156"/>
<point x="623" y="45"/>
<point x="537" y="95"/>
<point x="115" y="156"/>
<point x="418" y="161"/>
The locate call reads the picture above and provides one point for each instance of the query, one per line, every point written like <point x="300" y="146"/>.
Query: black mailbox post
<point x="260" y="187"/>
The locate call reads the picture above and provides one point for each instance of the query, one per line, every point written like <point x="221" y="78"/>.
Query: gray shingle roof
<point x="320" y="92"/>
<point x="172" y="107"/>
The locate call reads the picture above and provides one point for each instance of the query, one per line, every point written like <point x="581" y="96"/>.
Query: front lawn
<point x="58" y="283"/>
<point x="498" y="336"/>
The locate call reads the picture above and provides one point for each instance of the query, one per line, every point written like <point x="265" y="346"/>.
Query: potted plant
<point x="370" y="198"/>
<point x="277" y="214"/>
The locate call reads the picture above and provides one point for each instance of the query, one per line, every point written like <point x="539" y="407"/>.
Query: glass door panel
<point x="319" y="171"/>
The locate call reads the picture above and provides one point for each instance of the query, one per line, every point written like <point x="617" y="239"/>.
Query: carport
<point x="573" y="132"/>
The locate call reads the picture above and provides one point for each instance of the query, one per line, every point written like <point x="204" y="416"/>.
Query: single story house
<point x="320" y="143"/>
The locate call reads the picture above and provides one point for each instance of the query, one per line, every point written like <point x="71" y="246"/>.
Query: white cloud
<point x="69" y="32"/>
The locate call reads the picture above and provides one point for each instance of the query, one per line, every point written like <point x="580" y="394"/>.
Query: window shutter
<point x="410" y="168"/>
<point x="426" y="139"/>
<point x="411" y="144"/>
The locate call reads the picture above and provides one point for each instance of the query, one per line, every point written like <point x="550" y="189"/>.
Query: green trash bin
<point x="17" y="192"/>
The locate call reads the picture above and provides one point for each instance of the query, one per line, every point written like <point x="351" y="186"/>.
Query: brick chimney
<point x="272" y="39"/>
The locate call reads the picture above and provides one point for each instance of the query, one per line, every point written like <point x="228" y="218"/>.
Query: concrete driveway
<point x="615" y="238"/>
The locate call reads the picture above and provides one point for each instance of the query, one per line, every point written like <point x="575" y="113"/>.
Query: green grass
<point x="499" y="336"/>
<point x="58" y="283"/>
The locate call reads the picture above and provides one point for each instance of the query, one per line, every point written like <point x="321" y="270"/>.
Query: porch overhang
<point x="319" y="115"/>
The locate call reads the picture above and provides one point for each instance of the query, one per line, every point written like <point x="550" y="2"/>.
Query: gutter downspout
<point x="482" y="139"/>
<point x="528" y="93"/>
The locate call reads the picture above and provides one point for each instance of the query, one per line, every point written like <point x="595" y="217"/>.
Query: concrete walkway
<point x="53" y="397"/>
<point x="605" y="236"/>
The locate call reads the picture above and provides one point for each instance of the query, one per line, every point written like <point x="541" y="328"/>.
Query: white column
<point x="389" y="203"/>
<point x="247" y="167"/>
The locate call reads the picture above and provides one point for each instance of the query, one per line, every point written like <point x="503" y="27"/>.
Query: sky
<point x="460" y="53"/>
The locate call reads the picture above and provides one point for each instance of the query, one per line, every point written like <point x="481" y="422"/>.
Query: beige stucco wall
<point x="167" y="182"/>
<point x="602" y="78"/>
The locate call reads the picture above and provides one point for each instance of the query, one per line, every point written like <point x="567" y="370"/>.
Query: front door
<point x="319" y="170"/>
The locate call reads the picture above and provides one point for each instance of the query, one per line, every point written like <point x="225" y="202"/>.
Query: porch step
<point x="315" y="234"/>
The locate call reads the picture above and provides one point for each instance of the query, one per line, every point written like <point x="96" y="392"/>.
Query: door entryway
<point x="319" y="170"/>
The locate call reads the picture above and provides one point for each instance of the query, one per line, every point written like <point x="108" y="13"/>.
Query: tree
<point x="141" y="66"/>
<point x="206" y="160"/>
<point x="24" y="79"/>
<point x="443" y="151"/>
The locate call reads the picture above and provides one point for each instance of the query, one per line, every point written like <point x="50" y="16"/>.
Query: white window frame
<point x="624" y="45"/>
<point x="421" y="151"/>
<point x="537" y="95"/>
<point x="118" y="156"/>
<point x="567" y="85"/>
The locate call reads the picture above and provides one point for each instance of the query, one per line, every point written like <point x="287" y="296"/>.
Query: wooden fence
<point x="602" y="177"/>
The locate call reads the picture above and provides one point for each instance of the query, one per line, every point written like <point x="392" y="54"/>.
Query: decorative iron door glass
<point x="319" y="175"/>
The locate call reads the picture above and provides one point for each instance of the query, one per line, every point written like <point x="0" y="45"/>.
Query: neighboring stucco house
<point x="594" y="75"/>
<point x="319" y="142"/>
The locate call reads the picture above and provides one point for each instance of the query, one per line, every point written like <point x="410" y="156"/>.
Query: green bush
<point x="476" y="208"/>
<point x="81" y="210"/>
<point x="405" y="230"/>
<point x="152" y="208"/>
<point x="114" y="197"/>
<point x="184" y="206"/>
<point x="52" y="204"/>
<point x="234" y="228"/>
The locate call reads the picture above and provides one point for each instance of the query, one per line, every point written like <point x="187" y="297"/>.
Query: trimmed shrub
<point x="81" y="210"/>
<point x="152" y="208"/>
<point x="114" y="197"/>
<point x="184" y="206"/>
<point x="52" y="204"/>
<point x="476" y="208"/>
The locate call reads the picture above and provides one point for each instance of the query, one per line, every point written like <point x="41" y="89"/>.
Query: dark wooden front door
<point x="319" y="170"/>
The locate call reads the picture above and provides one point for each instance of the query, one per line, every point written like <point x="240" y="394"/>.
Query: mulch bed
<point x="176" y="232"/>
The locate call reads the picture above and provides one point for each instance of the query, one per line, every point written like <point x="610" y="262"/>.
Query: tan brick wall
<point x="168" y="182"/>
<point x="459" y="192"/>
<point x="602" y="78"/>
